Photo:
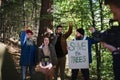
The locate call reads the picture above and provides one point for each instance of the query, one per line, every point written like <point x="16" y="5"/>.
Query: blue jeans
<point x="24" y="69"/>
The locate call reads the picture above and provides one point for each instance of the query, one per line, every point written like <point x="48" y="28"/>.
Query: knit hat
<point x="29" y="31"/>
<point x="80" y="30"/>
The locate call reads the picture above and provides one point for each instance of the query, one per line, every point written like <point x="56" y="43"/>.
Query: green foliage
<point x="79" y="12"/>
<point x="106" y="65"/>
<point x="14" y="13"/>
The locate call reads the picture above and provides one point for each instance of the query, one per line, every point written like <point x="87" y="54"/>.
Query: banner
<point x="78" y="54"/>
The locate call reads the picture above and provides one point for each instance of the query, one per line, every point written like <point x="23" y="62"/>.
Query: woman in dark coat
<point x="27" y="58"/>
<point x="47" y="59"/>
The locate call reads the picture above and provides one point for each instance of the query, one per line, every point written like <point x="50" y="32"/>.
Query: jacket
<point x="27" y="57"/>
<point x="53" y="56"/>
<point x="63" y="40"/>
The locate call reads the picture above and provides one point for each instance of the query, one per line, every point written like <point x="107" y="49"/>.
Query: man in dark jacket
<point x="80" y="36"/>
<point x="61" y="49"/>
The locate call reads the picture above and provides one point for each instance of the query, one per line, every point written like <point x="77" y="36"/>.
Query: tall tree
<point x="46" y="18"/>
<point x="96" y="45"/>
<point x="24" y="20"/>
<point x="3" y="15"/>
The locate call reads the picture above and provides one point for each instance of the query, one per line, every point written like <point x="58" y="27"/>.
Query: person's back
<point x="115" y="9"/>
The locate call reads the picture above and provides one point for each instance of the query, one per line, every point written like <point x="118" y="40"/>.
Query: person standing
<point x="61" y="49"/>
<point x="27" y="57"/>
<point x="80" y="36"/>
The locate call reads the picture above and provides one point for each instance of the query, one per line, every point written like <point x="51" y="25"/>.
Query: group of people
<point x="52" y="53"/>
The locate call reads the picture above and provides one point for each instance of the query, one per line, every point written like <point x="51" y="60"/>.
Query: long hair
<point x="46" y="36"/>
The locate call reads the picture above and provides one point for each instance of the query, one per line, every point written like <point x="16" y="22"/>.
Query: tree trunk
<point x="24" y="21"/>
<point x="98" y="58"/>
<point x="35" y="11"/>
<point x="3" y="19"/>
<point x="0" y="21"/>
<point x="46" y="19"/>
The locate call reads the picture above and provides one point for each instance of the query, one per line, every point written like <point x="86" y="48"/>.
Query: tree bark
<point x="46" y="19"/>
<point x="98" y="58"/>
<point x="3" y="19"/>
<point x="24" y="21"/>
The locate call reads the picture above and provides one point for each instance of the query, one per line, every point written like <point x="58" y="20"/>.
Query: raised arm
<point x="69" y="32"/>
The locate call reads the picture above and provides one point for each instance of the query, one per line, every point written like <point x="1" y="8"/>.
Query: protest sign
<point x="78" y="54"/>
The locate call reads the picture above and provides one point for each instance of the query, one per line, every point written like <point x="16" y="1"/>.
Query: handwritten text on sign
<point x="78" y="54"/>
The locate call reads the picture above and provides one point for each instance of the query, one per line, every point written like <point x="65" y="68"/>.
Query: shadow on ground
<point x="9" y="71"/>
<point x="38" y="76"/>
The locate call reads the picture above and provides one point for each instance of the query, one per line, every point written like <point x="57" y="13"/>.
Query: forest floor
<point x="11" y="68"/>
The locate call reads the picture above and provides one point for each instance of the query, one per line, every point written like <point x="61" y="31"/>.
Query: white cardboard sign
<point x="78" y="54"/>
